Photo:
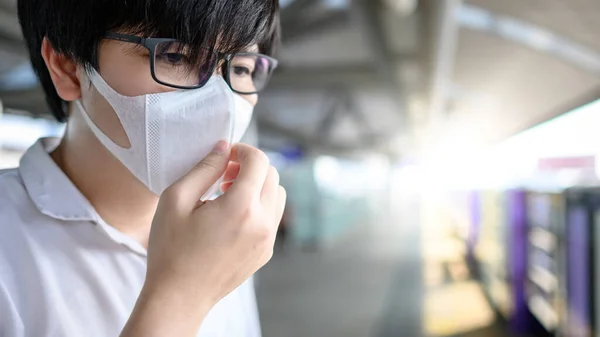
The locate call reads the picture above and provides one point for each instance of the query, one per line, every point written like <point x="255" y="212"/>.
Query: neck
<point x="118" y="197"/>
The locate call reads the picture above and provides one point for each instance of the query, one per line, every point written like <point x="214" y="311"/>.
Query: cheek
<point x="129" y="75"/>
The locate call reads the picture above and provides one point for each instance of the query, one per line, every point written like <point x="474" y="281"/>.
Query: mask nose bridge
<point x="231" y="107"/>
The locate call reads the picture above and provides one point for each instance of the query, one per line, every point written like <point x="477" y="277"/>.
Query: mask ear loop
<point x="212" y="191"/>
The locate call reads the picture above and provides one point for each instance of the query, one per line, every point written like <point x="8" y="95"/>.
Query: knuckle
<point x="282" y="192"/>
<point x="249" y="213"/>
<point x="259" y="156"/>
<point x="274" y="174"/>
<point x="263" y="233"/>
<point x="268" y="255"/>
<point x="167" y="193"/>
<point x="261" y="237"/>
<point x="172" y="201"/>
<point x="207" y="165"/>
<point x="172" y="195"/>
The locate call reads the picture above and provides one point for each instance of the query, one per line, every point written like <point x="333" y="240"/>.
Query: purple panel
<point x="517" y="258"/>
<point x="578" y="273"/>
<point x="475" y="210"/>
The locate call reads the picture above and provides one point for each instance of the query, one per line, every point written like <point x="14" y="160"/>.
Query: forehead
<point x="253" y="48"/>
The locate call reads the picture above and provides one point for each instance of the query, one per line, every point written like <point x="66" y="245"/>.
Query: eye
<point x="173" y="58"/>
<point x="241" y="70"/>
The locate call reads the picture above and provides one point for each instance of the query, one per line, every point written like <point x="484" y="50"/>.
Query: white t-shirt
<point x="65" y="272"/>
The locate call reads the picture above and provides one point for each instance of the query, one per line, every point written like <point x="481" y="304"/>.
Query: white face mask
<point x="171" y="132"/>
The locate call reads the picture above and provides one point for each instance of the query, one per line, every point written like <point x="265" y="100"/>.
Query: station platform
<point x="394" y="276"/>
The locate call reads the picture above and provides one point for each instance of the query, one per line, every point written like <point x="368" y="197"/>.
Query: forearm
<point x="161" y="313"/>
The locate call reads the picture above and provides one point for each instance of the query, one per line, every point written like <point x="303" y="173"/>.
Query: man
<point x="110" y="230"/>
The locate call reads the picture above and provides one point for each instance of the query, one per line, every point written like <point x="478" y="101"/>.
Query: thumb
<point x="191" y="187"/>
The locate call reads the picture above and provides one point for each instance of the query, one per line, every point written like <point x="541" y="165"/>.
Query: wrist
<point x="174" y="296"/>
<point x="163" y="310"/>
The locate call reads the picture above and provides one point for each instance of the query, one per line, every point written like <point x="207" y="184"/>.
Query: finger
<point x="226" y="186"/>
<point x="233" y="169"/>
<point x="280" y="204"/>
<point x="191" y="187"/>
<point x="269" y="193"/>
<point x="254" y="167"/>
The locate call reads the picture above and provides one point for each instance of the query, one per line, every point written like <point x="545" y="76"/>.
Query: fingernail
<point x="221" y="147"/>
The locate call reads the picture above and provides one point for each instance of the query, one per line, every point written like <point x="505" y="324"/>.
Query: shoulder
<point x="9" y="175"/>
<point x="12" y="196"/>
<point x="14" y="199"/>
<point x="12" y="188"/>
<point x="16" y="209"/>
<point x="17" y="260"/>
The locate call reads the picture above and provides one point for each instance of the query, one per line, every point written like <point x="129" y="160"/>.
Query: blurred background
<point x="440" y="157"/>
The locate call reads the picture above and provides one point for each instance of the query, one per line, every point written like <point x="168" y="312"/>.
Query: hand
<point x="201" y="251"/>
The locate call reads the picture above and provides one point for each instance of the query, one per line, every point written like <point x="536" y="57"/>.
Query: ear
<point x="63" y="71"/>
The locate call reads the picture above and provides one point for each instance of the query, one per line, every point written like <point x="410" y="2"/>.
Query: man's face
<point x="126" y="68"/>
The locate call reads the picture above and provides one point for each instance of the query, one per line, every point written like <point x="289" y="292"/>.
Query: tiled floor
<point x="347" y="288"/>
<point x="338" y="291"/>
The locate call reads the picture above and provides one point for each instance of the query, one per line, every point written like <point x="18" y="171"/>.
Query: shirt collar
<point x="54" y="194"/>
<point x="49" y="188"/>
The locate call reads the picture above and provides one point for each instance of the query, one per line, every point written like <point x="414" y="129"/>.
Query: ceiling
<point x="576" y="20"/>
<point x="359" y="74"/>
<point x="530" y="61"/>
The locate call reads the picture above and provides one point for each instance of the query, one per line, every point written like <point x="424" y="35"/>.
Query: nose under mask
<point x="171" y="132"/>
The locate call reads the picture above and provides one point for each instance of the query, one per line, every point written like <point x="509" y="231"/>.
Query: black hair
<point x="75" y="28"/>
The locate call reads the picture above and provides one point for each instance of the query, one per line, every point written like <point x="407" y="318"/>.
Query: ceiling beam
<point x="32" y="100"/>
<point x="9" y="26"/>
<point x="294" y="10"/>
<point x="330" y="111"/>
<point x="324" y="77"/>
<point x="309" y="28"/>
<point x="367" y="14"/>
<point x="443" y="33"/>
<point x="17" y="48"/>
<point x="357" y="114"/>
<point x="8" y="6"/>
<point x="313" y="143"/>
<point x="264" y="124"/>
<point x="341" y="104"/>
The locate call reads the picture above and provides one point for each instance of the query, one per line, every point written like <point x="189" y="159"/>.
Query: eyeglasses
<point x="245" y="73"/>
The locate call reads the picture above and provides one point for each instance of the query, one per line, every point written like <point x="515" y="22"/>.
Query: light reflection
<point x="527" y="34"/>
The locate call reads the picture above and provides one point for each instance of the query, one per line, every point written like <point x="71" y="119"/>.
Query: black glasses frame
<point x="150" y="43"/>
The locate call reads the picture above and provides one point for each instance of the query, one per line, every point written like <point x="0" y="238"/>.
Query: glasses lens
<point x="175" y="65"/>
<point x="250" y="73"/>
